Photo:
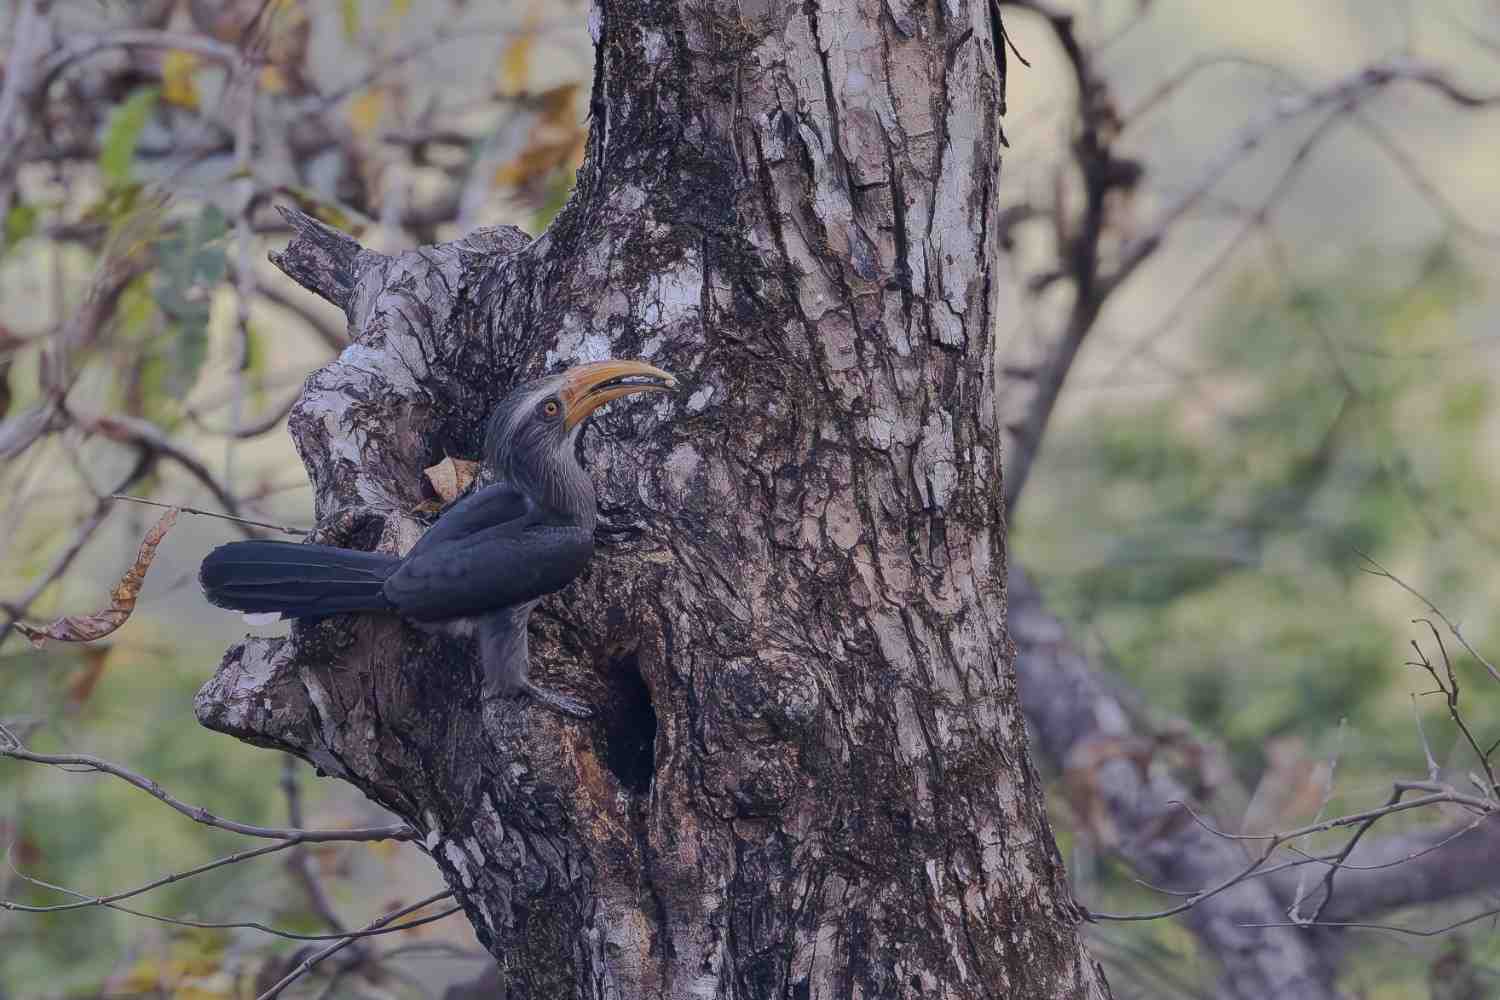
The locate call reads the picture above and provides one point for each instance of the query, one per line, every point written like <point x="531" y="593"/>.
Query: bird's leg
<point x="507" y="659"/>
<point x="557" y="702"/>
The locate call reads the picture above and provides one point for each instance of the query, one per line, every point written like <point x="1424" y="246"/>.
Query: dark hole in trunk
<point x="629" y="725"/>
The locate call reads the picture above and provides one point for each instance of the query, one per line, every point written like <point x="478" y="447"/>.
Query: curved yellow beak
<point x="588" y="387"/>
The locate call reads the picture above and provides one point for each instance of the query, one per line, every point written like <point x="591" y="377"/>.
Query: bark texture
<point x="809" y="774"/>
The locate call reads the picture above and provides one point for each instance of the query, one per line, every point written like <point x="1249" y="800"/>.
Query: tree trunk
<point x="808" y="776"/>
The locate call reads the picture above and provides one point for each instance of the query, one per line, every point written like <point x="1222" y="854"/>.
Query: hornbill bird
<point x="488" y="559"/>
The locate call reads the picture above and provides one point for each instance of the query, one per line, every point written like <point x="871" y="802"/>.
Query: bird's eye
<point x="550" y="409"/>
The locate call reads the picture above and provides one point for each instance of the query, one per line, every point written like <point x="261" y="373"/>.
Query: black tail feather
<point x="300" y="581"/>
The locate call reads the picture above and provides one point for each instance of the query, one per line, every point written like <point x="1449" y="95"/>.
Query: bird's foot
<point x="558" y="702"/>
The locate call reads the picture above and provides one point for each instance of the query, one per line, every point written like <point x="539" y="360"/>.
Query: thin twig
<point x="1434" y="932"/>
<point x="1333" y="763"/>
<point x="300" y="862"/>
<point x="1433" y="771"/>
<point x="1346" y="93"/>
<point x="252" y="925"/>
<point x="1437" y="794"/>
<point x="283" y="528"/>
<point x="114" y="897"/>
<point x="1450" y="690"/>
<point x="11" y="746"/>
<point x="376" y="927"/>
<point x="1381" y="571"/>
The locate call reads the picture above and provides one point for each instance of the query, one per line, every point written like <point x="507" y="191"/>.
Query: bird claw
<point x="558" y="702"/>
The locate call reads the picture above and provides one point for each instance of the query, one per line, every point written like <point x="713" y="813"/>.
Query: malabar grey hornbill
<point x="488" y="559"/>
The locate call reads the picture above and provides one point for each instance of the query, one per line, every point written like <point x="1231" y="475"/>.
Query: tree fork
<point x="809" y="773"/>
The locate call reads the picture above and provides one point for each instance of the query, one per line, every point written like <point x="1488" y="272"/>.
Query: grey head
<point x="532" y="436"/>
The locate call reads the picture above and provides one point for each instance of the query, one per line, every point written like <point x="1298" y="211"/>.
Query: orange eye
<point x="550" y="408"/>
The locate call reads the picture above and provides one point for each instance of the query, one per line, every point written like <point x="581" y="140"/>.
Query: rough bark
<point x="1084" y="725"/>
<point x="809" y="774"/>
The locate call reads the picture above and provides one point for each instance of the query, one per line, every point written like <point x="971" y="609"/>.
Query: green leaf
<point x="137" y="309"/>
<point x="191" y="350"/>
<point x="20" y="222"/>
<point x="558" y="190"/>
<point x="117" y="152"/>
<point x="349" y="15"/>
<point x="212" y="224"/>
<point x="209" y="265"/>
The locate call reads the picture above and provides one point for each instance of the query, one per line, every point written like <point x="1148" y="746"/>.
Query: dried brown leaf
<point x="87" y="628"/>
<point x="451" y="477"/>
<point x="81" y="688"/>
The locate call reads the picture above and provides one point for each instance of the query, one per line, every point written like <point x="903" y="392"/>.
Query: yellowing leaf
<point x="515" y="64"/>
<point x="451" y="476"/>
<point x="385" y="850"/>
<point x="335" y="215"/>
<point x="394" y="13"/>
<point x="273" y="80"/>
<point x="178" y="85"/>
<point x="86" y="628"/>
<point x="365" y="111"/>
<point x="218" y="986"/>
<point x="555" y="142"/>
<point x="349" y="18"/>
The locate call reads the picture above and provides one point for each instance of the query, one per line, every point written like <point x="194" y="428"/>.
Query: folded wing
<point x="494" y="549"/>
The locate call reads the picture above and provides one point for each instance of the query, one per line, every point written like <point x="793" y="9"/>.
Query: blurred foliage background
<point x="1229" y="442"/>
<point x="1304" y="376"/>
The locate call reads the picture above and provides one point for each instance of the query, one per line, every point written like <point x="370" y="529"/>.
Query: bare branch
<point x="322" y="259"/>
<point x="336" y="339"/>
<point x="83" y="46"/>
<point x="1333" y="763"/>
<point x="1425" y="866"/>
<point x="1346" y="93"/>
<point x="230" y="859"/>
<point x="251" y="925"/>
<point x="152" y="442"/>
<point x="300" y="863"/>
<point x="283" y="528"/>
<point x="263" y="424"/>
<point x="1069" y="708"/>
<point x="1362" y="820"/>
<point x="11" y="746"/>
<point x="1411" y="931"/>
<point x="376" y="927"/>
<point x="1450" y="691"/>
<point x="1375" y="569"/>
<point x="1178" y="80"/>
